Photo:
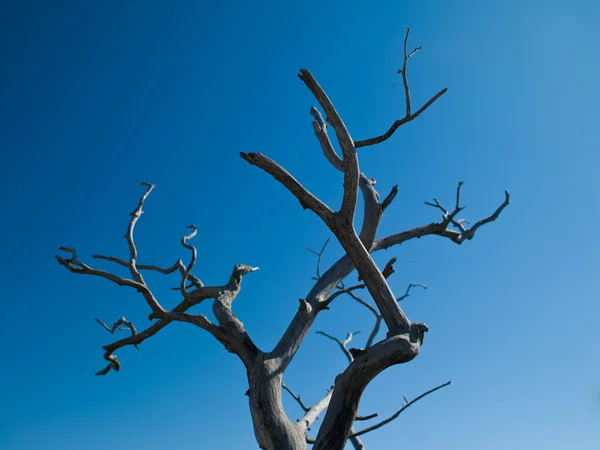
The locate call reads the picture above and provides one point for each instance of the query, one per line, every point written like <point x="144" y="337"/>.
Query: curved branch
<point x="343" y="344"/>
<point x="468" y="234"/>
<point x="378" y="318"/>
<point x="400" y="411"/>
<point x="350" y="158"/>
<point x="372" y="209"/>
<point x="137" y="276"/>
<point x="75" y="266"/>
<point x="127" y="325"/>
<point x="440" y="228"/>
<point x="306" y="199"/>
<point x="410" y="286"/>
<point x="295" y="397"/>
<point x="325" y="304"/>
<point x="350" y="384"/>
<point x="231" y="333"/>
<point x="192" y="249"/>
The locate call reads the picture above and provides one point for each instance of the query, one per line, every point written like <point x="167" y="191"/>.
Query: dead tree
<point x="265" y="368"/>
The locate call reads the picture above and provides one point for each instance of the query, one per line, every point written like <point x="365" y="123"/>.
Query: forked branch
<point x="230" y="330"/>
<point x="441" y="228"/>
<point x="409" y="114"/>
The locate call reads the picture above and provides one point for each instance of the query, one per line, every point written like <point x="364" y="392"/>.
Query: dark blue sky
<point x="98" y="96"/>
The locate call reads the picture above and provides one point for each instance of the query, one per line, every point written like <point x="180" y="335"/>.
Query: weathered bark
<point x="350" y="385"/>
<point x="272" y="427"/>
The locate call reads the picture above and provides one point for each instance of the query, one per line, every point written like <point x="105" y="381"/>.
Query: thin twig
<point x="409" y="114"/>
<point x="343" y="344"/>
<point x="295" y="397"/>
<point x="319" y="256"/>
<point x="325" y="304"/>
<point x="400" y="411"/>
<point x="410" y="286"/>
<point x="192" y="249"/>
<point x="117" y="327"/>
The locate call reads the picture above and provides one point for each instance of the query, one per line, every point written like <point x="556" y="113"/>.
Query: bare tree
<point x="273" y="428"/>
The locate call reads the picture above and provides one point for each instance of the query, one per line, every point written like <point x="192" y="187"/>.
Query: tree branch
<point x="137" y="276"/>
<point x="168" y="270"/>
<point x="127" y="325"/>
<point x="314" y="411"/>
<point x="400" y="411"/>
<point x="350" y="384"/>
<point x="76" y="266"/>
<point x="410" y="286"/>
<point x="343" y="344"/>
<point x="468" y="234"/>
<point x="192" y="249"/>
<point x="441" y="228"/>
<point x="295" y="397"/>
<point x="319" y="257"/>
<point x="163" y="270"/>
<point x="369" y="417"/>
<point x="350" y="158"/>
<point x="342" y="290"/>
<point x="306" y="199"/>
<point x="409" y="115"/>
<point x="372" y="209"/>
<point x="138" y="283"/>
<point x="236" y="342"/>
<point x="230" y="331"/>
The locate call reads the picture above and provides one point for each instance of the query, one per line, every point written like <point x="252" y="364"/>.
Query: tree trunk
<point x="272" y="428"/>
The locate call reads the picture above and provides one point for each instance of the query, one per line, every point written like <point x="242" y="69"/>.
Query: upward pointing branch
<point x="157" y="310"/>
<point x="343" y="220"/>
<point x="409" y="114"/>
<point x="350" y="159"/>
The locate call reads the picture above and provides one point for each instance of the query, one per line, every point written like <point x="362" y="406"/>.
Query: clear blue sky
<point x="97" y="96"/>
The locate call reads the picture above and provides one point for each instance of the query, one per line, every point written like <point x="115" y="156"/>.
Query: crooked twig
<point x="449" y="217"/>
<point x="410" y="286"/>
<point x="192" y="249"/>
<point x="295" y="397"/>
<point x="319" y="257"/>
<point x="135" y="273"/>
<point x="195" y="281"/>
<point x="343" y="344"/>
<point x="126" y="325"/>
<point x="400" y="411"/>
<point x="468" y="235"/>
<point x="230" y="330"/>
<point x="342" y="290"/>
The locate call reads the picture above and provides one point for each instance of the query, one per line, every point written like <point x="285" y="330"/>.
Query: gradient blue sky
<point x="98" y="96"/>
